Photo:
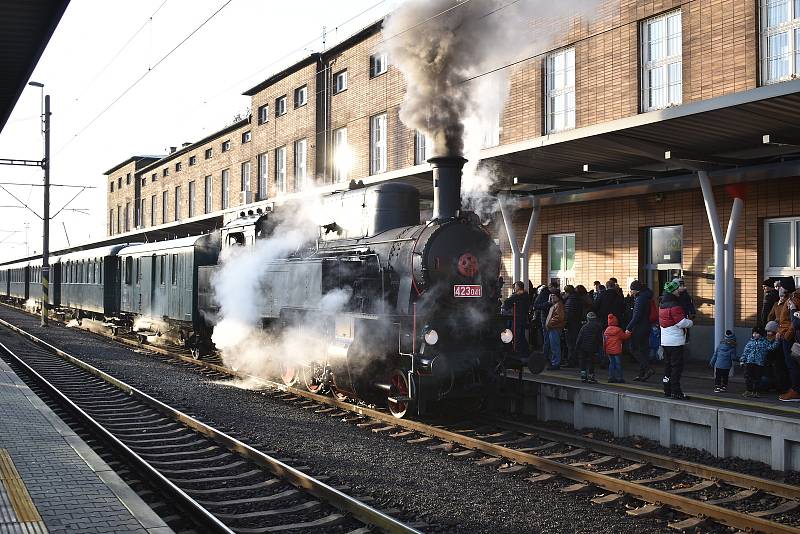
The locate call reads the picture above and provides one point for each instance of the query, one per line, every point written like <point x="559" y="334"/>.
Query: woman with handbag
<point x="784" y="313"/>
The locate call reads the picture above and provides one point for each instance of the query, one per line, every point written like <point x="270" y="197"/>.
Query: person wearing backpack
<point x="639" y="328"/>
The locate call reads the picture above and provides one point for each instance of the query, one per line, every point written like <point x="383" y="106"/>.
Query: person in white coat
<point x="674" y="324"/>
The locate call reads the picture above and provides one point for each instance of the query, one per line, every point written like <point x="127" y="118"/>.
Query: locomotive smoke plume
<point x="453" y="53"/>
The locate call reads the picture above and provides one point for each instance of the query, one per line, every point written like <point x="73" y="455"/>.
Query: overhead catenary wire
<point x="102" y="71"/>
<point x="143" y="76"/>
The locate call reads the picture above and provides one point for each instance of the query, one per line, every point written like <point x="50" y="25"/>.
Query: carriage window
<point x="128" y="269"/>
<point x="138" y="271"/>
<point x="81" y="269"/>
<point x="100" y="278"/>
<point x="162" y="268"/>
<point x="174" y="269"/>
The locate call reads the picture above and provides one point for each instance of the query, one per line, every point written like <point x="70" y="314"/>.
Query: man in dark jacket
<point x="517" y="305"/>
<point x="639" y="327"/>
<point x="767" y="302"/>
<point x="573" y="307"/>
<point x="541" y="306"/>
<point x="590" y="339"/>
<point x="610" y="301"/>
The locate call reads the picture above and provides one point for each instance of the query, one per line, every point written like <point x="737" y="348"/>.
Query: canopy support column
<point x="730" y="254"/>
<point x="719" y="256"/>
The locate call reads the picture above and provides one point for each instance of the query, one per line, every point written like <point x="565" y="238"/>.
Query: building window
<point x="263" y="169"/>
<point x="780" y="40"/>
<point x="280" y="106"/>
<point x="420" y="148"/>
<point x="153" y="210"/>
<point x="662" y="61"/>
<point x="112" y="186"/>
<point x="263" y="114"/>
<point x="226" y="188"/>
<point x="111" y="221"/>
<point x="154" y="177"/>
<point x="144" y="181"/>
<point x="164" y="206"/>
<point x="301" y="96"/>
<point x="141" y="214"/>
<point x="226" y="145"/>
<point x="178" y="166"/>
<point x="280" y="169"/>
<point x="127" y="216"/>
<point x="119" y="183"/>
<point x="209" y="153"/>
<point x="341" y="155"/>
<point x="378" y="64"/>
<point x="562" y="258"/>
<point x="208" y="203"/>
<point x="377" y="144"/>
<point x="191" y="198"/>
<point x="340" y="81"/>
<point x="782" y="248"/>
<point x="165" y="172"/>
<point x="246" y="178"/>
<point x="300" y="172"/>
<point x="560" y="98"/>
<point x="177" y="203"/>
<point x="192" y="160"/>
<point x="128" y="179"/>
<point x="246" y="137"/>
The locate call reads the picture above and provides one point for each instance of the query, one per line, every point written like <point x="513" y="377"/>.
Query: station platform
<point x="723" y="424"/>
<point x="52" y="481"/>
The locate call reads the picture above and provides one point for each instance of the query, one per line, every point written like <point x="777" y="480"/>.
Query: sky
<point x="101" y="115"/>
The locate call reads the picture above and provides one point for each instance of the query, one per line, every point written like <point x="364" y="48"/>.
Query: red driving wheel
<point x="399" y="388"/>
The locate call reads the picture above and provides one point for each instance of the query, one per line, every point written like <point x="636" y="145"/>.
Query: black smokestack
<point x="446" y="186"/>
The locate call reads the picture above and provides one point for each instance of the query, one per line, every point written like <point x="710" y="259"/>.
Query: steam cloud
<point x="241" y="286"/>
<point x="452" y="54"/>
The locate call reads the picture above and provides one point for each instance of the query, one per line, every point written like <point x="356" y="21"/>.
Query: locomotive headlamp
<point x="506" y="336"/>
<point x="431" y="337"/>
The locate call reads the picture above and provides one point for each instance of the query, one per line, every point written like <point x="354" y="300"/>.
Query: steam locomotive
<point x="418" y="324"/>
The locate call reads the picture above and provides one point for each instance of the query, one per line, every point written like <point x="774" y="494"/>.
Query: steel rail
<point x="317" y="488"/>
<point x="189" y="506"/>
<point x="684" y="504"/>
<point x="659" y="460"/>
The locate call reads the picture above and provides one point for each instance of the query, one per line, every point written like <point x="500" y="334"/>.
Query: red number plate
<point x="462" y="290"/>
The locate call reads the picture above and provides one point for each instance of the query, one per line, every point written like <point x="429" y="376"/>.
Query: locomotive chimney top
<point x="446" y="185"/>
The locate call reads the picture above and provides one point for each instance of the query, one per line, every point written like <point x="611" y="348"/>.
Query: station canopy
<point x="25" y="29"/>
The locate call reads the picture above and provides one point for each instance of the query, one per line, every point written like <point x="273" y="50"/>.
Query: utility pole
<point x="46" y="217"/>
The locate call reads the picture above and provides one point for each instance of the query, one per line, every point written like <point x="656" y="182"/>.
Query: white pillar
<point x="512" y="237"/>
<point x="719" y="256"/>
<point x="526" y="246"/>
<point x="730" y="254"/>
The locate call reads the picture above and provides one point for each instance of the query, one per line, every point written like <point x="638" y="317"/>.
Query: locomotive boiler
<point x="387" y="309"/>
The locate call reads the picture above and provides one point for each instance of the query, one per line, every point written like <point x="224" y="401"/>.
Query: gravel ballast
<point x="450" y="494"/>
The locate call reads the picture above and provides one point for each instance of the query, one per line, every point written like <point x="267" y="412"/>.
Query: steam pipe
<point x="719" y="256"/>
<point x="446" y="186"/>
<point x="730" y="255"/>
<point x="512" y="236"/>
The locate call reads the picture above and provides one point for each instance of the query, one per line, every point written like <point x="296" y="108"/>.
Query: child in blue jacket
<point x="753" y="359"/>
<point x="722" y="361"/>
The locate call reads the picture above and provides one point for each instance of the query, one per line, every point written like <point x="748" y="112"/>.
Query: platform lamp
<point x="46" y="216"/>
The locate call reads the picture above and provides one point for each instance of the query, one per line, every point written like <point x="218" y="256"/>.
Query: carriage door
<point x="146" y="285"/>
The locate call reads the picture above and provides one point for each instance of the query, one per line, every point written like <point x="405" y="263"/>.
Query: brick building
<point x="607" y="133"/>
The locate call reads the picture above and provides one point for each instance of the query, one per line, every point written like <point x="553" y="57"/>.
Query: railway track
<point x="608" y="473"/>
<point x="221" y="483"/>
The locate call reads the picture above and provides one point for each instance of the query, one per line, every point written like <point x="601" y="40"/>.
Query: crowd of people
<point x="585" y="329"/>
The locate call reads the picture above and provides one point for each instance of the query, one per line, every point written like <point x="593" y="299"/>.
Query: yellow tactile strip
<point x="17" y="493"/>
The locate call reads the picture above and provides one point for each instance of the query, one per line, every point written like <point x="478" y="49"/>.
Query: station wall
<point x="610" y="240"/>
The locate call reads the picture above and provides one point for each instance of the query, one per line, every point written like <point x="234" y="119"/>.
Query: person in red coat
<point x="613" y="338"/>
